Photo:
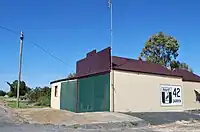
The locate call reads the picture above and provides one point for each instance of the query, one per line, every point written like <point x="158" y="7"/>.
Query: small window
<point x="197" y="95"/>
<point x="56" y="91"/>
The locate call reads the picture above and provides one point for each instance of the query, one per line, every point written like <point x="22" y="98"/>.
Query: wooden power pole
<point x="20" y="66"/>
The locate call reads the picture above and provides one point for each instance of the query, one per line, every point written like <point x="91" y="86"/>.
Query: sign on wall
<point x="171" y="95"/>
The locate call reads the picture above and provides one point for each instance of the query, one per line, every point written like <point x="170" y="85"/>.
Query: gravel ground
<point x="50" y="128"/>
<point x="7" y="124"/>
<point x="4" y="118"/>
<point x="179" y="126"/>
<point x="63" y="117"/>
<point x="159" y="118"/>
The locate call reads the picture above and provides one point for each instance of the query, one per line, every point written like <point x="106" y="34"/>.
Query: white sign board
<point x="170" y="95"/>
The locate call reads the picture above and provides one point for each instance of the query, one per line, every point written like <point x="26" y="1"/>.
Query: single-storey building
<point x="139" y="86"/>
<point x="191" y="87"/>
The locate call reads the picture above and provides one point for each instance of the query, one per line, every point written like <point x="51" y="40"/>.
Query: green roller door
<point x="68" y="95"/>
<point x="94" y="93"/>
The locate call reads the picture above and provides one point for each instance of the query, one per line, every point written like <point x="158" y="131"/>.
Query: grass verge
<point x="22" y="105"/>
<point x="2" y="97"/>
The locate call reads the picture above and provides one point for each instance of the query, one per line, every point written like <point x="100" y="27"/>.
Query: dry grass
<point x="22" y="104"/>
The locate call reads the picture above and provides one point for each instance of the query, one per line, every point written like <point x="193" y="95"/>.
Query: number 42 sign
<point x="170" y="95"/>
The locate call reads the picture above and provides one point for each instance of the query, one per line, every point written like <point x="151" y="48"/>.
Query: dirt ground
<point x="59" y="117"/>
<point x="51" y="116"/>
<point x="2" y="102"/>
<point x="179" y="126"/>
<point x="63" y="117"/>
<point x="45" y="115"/>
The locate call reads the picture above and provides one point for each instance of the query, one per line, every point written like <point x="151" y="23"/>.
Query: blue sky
<point x="71" y="28"/>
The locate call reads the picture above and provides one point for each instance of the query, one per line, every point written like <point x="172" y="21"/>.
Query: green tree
<point x="161" y="49"/>
<point x="38" y="92"/>
<point x="2" y="93"/>
<point x="46" y="91"/>
<point x="71" y="75"/>
<point x="34" y="94"/>
<point x="40" y="96"/>
<point x="22" y="90"/>
<point x="180" y="65"/>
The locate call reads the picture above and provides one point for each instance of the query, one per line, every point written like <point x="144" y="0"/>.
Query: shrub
<point x="2" y="93"/>
<point x="10" y="94"/>
<point x="35" y="94"/>
<point x="23" y="97"/>
<point x="44" y="101"/>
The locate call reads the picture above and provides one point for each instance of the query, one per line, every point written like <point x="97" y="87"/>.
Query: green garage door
<point x="94" y="93"/>
<point x="68" y="95"/>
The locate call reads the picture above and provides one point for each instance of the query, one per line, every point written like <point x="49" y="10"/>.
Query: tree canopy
<point x="13" y="88"/>
<point x="71" y="75"/>
<point x="2" y="93"/>
<point x="40" y="95"/>
<point x="163" y="49"/>
<point x="180" y="65"/>
<point x="35" y="96"/>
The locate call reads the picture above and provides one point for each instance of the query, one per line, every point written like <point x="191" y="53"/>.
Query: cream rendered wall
<point x="55" y="101"/>
<point x="138" y="92"/>
<point x="189" y="95"/>
<point x="111" y="91"/>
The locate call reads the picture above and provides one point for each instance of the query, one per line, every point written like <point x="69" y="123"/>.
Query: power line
<point x="37" y="45"/>
<point x="13" y="31"/>
<point x="48" y="52"/>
